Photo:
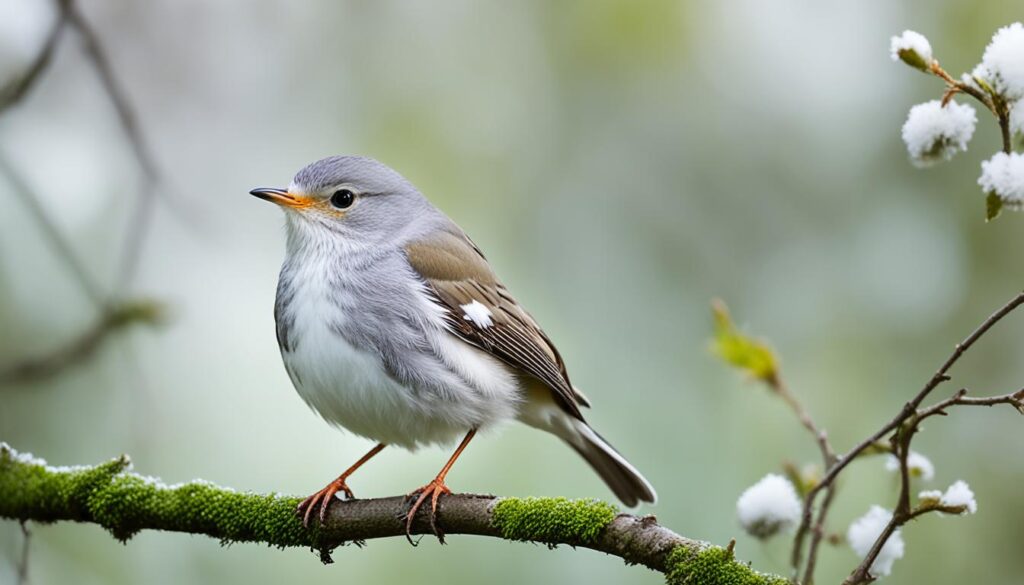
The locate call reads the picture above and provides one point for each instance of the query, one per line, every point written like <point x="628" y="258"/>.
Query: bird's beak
<point x="282" y="197"/>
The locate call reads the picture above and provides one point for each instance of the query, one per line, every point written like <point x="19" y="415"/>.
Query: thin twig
<point x="817" y="534"/>
<point x="16" y="90"/>
<point x="26" y="543"/>
<point x="909" y="409"/>
<point x="828" y="456"/>
<point x="61" y="246"/>
<point x="139" y="218"/>
<point x="994" y="103"/>
<point x="901" y="446"/>
<point x="960" y="398"/>
<point x="820" y="436"/>
<point x="98" y="57"/>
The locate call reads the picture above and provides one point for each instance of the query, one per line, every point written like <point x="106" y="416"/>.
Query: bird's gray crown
<point x="366" y="173"/>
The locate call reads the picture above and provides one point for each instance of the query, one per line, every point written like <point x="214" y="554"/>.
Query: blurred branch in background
<point x="26" y="536"/>
<point x="115" y="314"/>
<point x="113" y="319"/>
<point x="125" y="503"/>
<point x="61" y="245"/>
<point x="14" y="91"/>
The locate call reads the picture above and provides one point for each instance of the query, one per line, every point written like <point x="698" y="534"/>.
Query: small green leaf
<point x="739" y="350"/>
<point x="993" y="206"/>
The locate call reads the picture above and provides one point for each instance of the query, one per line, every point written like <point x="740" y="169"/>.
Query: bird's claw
<point x="434" y="490"/>
<point x="323" y="498"/>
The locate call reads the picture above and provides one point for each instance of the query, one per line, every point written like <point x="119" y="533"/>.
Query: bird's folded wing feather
<point x="458" y="275"/>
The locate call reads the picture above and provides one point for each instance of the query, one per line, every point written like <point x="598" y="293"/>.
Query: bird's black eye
<point x="343" y="198"/>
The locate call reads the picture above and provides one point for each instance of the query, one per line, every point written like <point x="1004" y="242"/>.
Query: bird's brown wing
<point x="457" y="274"/>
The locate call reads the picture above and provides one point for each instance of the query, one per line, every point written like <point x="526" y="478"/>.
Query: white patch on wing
<point x="477" y="313"/>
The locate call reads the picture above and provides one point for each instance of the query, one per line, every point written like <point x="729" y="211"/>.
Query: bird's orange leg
<point x="433" y="490"/>
<point x="324" y="496"/>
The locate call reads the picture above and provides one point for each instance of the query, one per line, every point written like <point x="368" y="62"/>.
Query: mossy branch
<point x="124" y="503"/>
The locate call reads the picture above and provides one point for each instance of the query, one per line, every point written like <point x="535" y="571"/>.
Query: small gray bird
<point x="392" y="325"/>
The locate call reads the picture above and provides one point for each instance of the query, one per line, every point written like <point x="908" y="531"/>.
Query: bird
<point x="393" y="325"/>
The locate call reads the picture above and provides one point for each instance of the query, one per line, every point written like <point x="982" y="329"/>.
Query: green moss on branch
<point x="713" y="566"/>
<point x="124" y="502"/>
<point x="552" y="520"/>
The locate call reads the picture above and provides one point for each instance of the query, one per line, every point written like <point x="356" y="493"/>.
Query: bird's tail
<point x="623" y="479"/>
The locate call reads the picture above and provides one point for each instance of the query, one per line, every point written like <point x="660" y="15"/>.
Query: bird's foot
<point x="432" y="490"/>
<point x="323" y="498"/>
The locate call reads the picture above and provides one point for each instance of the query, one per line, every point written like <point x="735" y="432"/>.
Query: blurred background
<point x="620" y="162"/>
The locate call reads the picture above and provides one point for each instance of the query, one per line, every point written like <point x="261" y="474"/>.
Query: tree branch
<point x="125" y="503"/>
<point x="114" y="318"/>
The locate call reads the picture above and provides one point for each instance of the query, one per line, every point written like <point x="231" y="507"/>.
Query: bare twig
<point x="139" y="219"/>
<point x="910" y="409"/>
<point x="19" y="88"/>
<point x="61" y="246"/>
<point x="909" y="426"/>
<point x="26" y="543"/>
<point x="820" y="436"/>
<point x="960" y="398"/>
<point x="817" y="535"/>
<point x="98" y="57"/>
<point x="828" y="456"/>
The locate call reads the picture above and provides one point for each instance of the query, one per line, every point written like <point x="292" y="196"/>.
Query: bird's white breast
<point x="350" y="387"/>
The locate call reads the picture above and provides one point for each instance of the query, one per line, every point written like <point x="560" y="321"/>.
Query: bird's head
<point x="351" y="197"/>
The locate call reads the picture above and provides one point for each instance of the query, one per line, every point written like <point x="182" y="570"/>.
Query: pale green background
<point x="620" y="162"/>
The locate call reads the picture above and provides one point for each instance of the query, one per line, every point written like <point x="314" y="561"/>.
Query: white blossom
<point x="1004" y="61"/>
<point x="863" y="533"/>
<point x="935" y="133"/>
<point x="960" y="494"/>
<point x="912" y="48"/>
<point x="768" y="506"/>
<point x="1003" y="174"/>
<point x="917" y="464"/>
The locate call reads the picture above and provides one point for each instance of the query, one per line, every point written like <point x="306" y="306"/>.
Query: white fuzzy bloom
<point x="1004" y="60"/>
<point x="768" y="507"/>
<point x="917" y="464"/>
<point x="935" y="133"/>
<point x="960" y="494"/>
<point x="1003" y="174"/>
<point x="863" y="533"/>
<point x="912" y="48"/>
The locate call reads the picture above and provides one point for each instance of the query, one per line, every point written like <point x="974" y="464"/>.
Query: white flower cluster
<point x="1003" y="174"/>
<point x="863" y="533"/>
<point x="917" y="464"/>
<point x="768" y="507"/>
<point x="1002" y="65"/>
<point x="958" y="495"/>
<point x="912" y="48"/>
<point x="934" y="133"/>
